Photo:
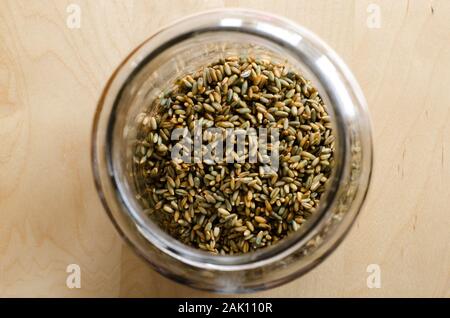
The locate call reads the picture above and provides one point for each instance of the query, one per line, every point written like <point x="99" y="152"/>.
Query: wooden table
<point x="52" y="74"/>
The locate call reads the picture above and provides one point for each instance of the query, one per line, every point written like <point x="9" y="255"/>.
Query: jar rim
<point x="229" y="20"/>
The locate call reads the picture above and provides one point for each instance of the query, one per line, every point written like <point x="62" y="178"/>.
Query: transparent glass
<point x="182" y="48"/>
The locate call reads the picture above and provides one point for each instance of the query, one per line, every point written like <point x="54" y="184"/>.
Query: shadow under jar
<point x="181" y="49"/>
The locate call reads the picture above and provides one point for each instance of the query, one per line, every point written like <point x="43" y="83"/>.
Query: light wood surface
<point x="51" y="77"/>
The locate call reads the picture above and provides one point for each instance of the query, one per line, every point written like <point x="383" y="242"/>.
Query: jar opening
<point x="182" y="55"/>
<point x="179" y="49"/>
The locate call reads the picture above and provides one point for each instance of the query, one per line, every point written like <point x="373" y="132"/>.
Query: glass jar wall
<point x="182" y="48"/>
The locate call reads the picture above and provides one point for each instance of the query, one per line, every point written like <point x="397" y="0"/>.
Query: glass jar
<point x="182" y="48"/>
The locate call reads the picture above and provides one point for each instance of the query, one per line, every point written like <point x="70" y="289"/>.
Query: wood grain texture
<point x="51" y="78"/>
